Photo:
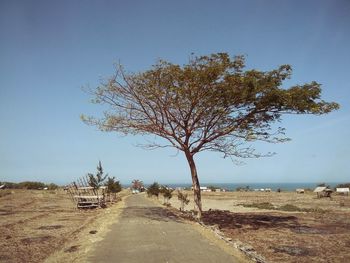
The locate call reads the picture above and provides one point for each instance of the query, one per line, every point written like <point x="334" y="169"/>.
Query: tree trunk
<point x="195" y="185"/>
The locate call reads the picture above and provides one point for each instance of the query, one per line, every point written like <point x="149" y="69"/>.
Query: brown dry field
<point x="38" y="226"/>
<point x="319" y="236"/>
<point x="45" y="226"/>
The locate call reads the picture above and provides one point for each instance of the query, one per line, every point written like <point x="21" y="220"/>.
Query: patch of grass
<point x="265" y="205"/>
<point x="290" y="208"/>
<point x="286" y="207"/>
<point x="5" y="192"/>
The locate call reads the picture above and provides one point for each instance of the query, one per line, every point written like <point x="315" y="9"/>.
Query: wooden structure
<point x="300" y="191"/>
<point x="85" y="196"/>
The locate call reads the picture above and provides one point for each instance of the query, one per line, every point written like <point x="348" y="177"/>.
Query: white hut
<point x="300" y="191"/>
<point x="343" y="191"/>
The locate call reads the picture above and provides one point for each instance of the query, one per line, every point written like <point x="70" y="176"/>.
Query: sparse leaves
<point x="97" y="180"/>
<point x="211" y="103"/>
<point x="113" y="186"/>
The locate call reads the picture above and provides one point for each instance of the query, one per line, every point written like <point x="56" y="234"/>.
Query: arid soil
<point x="320" y="235"/>
<point x="37" y="224"/>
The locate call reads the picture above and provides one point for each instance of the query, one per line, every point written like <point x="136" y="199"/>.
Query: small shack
<point x="300" y="191"/>
<point x="342" y="191"/>
<point x="323" y="191"/>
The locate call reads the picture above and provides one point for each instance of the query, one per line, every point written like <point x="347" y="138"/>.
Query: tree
<point x="153" y="189"/>
<point x="113" y="186"/>
<point x="137" y="185"/>
<point x="167" y="193"/>
<point x="183" y="200"/>
<point x="97" y="180"/>
<point x="212" y="103"/>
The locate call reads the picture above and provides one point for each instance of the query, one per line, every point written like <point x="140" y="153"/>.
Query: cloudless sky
<point x="49" y="50"/>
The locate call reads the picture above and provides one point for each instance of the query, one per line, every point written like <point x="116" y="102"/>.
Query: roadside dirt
<point x="37" y="224"/>
<point x="282" y="236"/>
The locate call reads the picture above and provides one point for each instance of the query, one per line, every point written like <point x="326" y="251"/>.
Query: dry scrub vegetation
<point x="36" y="223"/>
<point x="282" y="227"/>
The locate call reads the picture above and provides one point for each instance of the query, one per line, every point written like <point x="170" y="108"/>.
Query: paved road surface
<point x="147" y="233"/>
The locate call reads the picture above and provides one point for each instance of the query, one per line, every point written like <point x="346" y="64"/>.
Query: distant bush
<point x="167" y="193"/>
<point x="32" y="185"/>
<point x="10" y="185"/>
<point x="113" y="186"/>
<point x="153" y="190"/>
<point x="183" y="199"/>
<point x="52" y="186"/>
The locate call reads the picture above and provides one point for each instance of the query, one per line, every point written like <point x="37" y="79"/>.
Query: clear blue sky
<point x="50" y="49"/>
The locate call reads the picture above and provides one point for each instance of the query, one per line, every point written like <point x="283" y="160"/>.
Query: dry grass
<point x="35" y="224"/>
<point x="283" y="227"/>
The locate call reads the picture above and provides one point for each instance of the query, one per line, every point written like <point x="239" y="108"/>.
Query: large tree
<point x="212" y="103"/>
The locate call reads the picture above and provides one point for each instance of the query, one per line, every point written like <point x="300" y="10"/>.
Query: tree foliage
<point x="97" y="180"/>
<point x="137" y="185"/>
<point x="153" y="190"/>
<point x="184" y="200"/>
<point x="209" y="104"/>
<point x="167" y="193"/>
<point x="113" y="186"/>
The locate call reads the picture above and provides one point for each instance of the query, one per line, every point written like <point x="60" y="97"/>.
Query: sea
<point x="252" y="186"/>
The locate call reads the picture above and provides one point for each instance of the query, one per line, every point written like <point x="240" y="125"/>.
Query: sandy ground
<point x="322" y="235"/>
<point x="45" y="225"/>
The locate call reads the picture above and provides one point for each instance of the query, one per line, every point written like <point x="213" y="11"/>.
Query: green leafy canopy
<point x="211" y="103"/>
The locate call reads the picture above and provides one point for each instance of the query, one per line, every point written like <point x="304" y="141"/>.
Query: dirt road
<point x="147" y="232"/>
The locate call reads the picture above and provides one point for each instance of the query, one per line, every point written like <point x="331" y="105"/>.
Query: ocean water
<point x="252" y="186"/>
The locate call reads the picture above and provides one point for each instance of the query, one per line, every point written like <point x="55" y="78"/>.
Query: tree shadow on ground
<point x="230" y="220"/>
<point x="152" y="213"/>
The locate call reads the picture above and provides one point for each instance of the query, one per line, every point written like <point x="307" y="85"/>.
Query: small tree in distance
<point x="113" y="186"/>
<point x="184" y="200"/>
<point x="153" y="190"/>
<point x="137" y="185"/>
<point x="210" y="104"/>
<point x="167" y="193"/>
<point x="97" y="180"/>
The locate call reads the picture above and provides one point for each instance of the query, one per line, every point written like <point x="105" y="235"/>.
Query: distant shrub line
<point x="30" y="185"/>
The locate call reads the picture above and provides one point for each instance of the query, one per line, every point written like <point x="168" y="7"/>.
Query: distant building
<point x="300" y="191"/>
<point x="205" y="189"/>
<point x="344" y="191"/>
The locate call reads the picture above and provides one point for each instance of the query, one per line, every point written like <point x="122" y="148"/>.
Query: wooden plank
<point x="88" y="197"/>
